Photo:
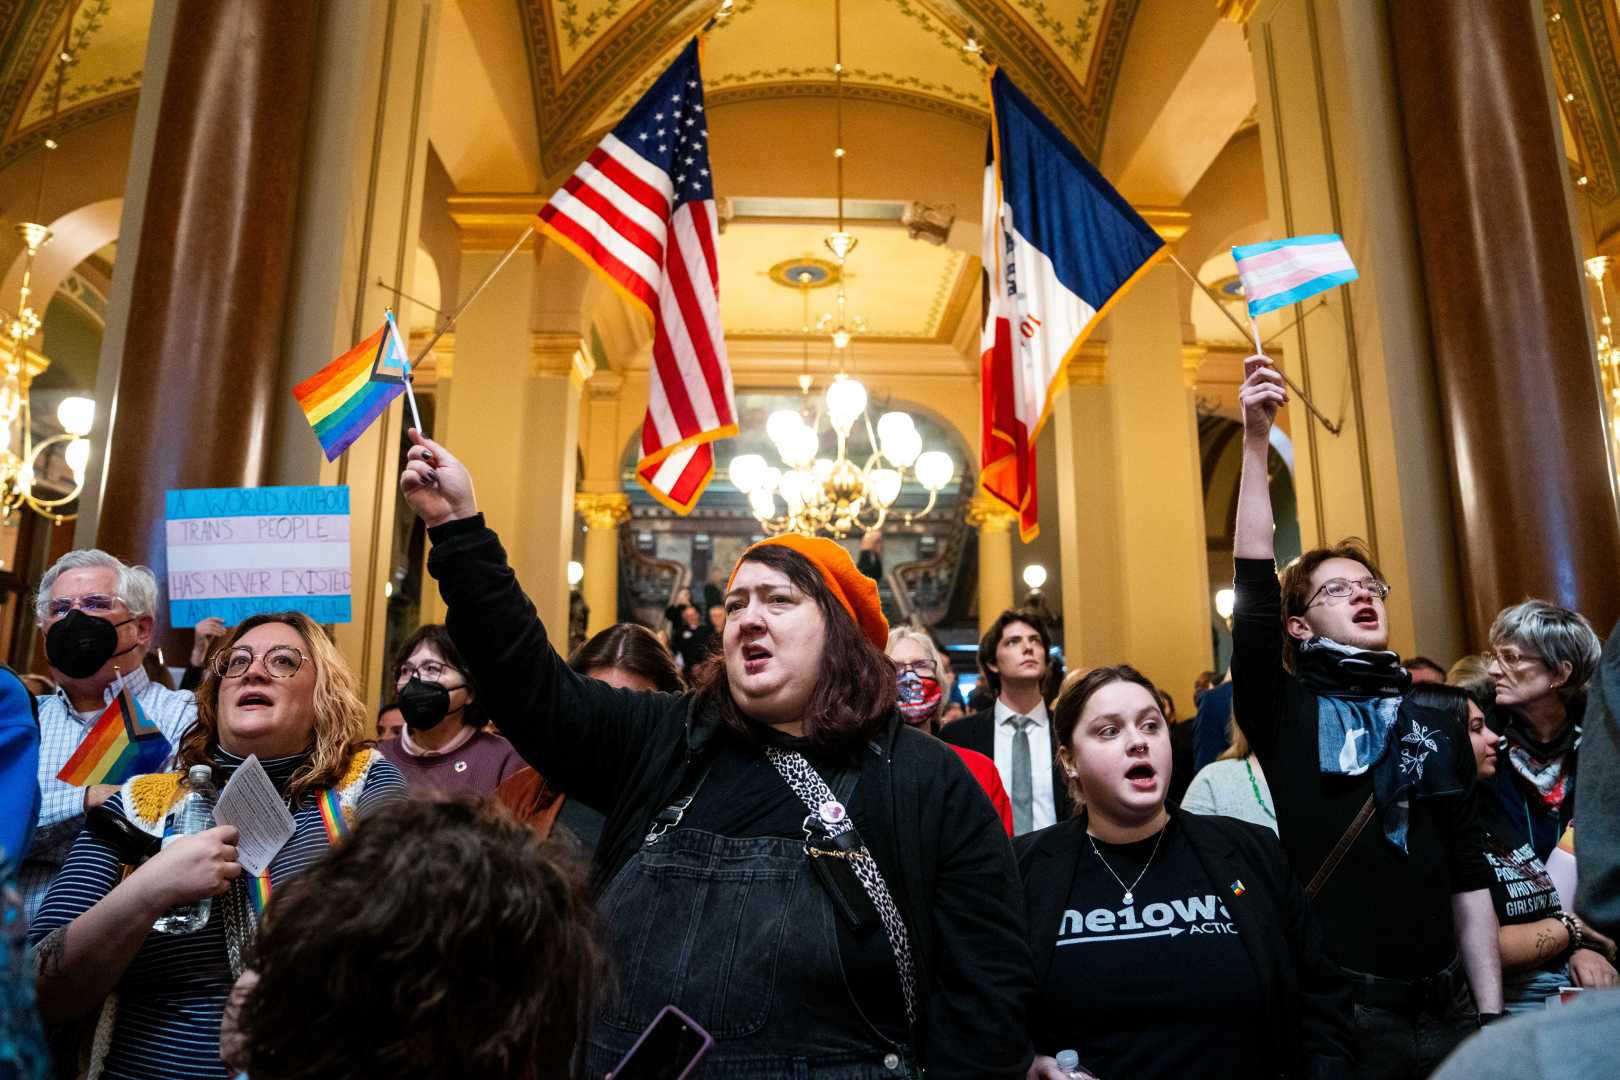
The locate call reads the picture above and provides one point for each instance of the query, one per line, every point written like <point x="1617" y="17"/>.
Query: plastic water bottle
<point x="194" y="814"/>
<point x="1068" y="1062"/>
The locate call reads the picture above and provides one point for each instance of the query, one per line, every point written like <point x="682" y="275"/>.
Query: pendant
<point x="1129" y="898"/>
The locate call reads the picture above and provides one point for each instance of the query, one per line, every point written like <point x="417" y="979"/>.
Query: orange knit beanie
<point x="853" y="589"/>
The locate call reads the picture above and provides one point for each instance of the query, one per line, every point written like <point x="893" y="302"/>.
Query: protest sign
<point x="235" y="552"/>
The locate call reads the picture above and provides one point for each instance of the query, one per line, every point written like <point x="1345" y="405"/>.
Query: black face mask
<point x="423" y="704"/>
<point x="78" y="644"/>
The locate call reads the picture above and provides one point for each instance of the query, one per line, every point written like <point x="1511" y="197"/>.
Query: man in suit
<point x="1016" y="731"/>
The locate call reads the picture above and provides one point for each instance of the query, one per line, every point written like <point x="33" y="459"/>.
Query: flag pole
<point x="1259" y="348"/>
<point x="450" y="319"/>
<point x="410" y="369"/>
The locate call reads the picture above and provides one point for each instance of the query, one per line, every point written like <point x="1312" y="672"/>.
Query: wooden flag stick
<point x="450" y="319"/>
<point x="1259" y="348"/>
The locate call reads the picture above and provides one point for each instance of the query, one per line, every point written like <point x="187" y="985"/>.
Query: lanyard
<point x="337" y="831"/>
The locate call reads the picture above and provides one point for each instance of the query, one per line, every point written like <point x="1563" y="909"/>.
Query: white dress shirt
<point x="1043" y="810"/>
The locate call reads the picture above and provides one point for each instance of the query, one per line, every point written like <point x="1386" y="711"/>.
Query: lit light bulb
<point x="576" y="573"/>
<point x="935" y="469"/>
<point x="76" y="415"/>
<point x="846" y="400"/>
<point x="803" y="446"/>
<point x="25" y="479"/>
<point x="822" y="470"/>
<point x="781" y="426"/>
<point x="762" y="503"/>
<point x="904" y="448"/>
<point x="794" y="486"/>
<point x="1034" y="575"/>
<point x="1225" y="601"/>
<point x="78" y="456"/>
<point x="893" y="424"/>
<point x="747" y="472"/>
<point x="840" y="338"/>
<point x="884" y="484"/>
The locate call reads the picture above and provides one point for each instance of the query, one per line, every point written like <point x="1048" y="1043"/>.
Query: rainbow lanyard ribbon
<point x="337" y="831"/>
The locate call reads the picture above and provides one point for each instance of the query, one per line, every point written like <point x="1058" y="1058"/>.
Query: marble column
<point x="211" y="270"/>
<point x="603" y="514"/>
<point x="995" y="524"/>
<point x="1534" y="506"/>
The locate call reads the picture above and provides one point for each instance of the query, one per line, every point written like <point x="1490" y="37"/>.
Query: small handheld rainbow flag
<point x="121" y="743"/>
<point x="343" y="398"/>
<point x="1282" y="272"/>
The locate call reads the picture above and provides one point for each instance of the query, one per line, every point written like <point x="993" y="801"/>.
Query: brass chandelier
<point x="19" y="471"/>
<point x="836" y="495"/>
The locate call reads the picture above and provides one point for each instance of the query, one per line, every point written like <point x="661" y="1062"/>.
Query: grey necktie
<point x="1023" y="777"/>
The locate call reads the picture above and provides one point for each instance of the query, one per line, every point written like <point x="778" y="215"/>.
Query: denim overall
<point x="741" y="936"/>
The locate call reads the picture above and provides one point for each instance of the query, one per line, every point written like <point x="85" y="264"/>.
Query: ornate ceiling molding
<point x="624" y="44"/>
<point x="1585" y="39"/>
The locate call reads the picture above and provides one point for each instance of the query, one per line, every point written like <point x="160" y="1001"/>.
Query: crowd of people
<point x="778" y="814"/>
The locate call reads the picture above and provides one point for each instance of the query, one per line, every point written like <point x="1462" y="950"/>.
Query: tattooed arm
<point x="1530" y="945"/>
<point x="87" y="933"/>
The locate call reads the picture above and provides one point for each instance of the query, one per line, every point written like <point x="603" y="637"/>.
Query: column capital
<point x="1192" y="358"/>
<point x="1170" y="222"/>
<point x="1089" y="367"/>
<point x="604" y="385"/>
<point x="989" y="514"/>
<point x="560" y="354"/>
<point x="492" y="222"/>
<point x="602" y="510"/>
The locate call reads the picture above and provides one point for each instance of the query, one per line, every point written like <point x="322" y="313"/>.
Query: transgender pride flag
<point x="1282" y="272"/>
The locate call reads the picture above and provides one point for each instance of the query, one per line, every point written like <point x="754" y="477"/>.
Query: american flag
<point x="640" y="211"/>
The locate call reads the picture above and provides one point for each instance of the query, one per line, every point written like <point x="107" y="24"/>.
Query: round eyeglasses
<point x="280" y="661"/>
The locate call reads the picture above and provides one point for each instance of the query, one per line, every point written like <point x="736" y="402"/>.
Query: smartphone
<point x="670" y="1049"/>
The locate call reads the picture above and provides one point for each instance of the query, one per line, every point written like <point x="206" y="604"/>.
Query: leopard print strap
<point x="813" y="791"/>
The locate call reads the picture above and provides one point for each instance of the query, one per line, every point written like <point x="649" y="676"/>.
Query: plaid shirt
<point x="61" y="811"/>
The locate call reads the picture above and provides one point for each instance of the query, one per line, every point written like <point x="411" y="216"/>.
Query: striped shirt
<point x="172" y="994"/>
<point x="61" y="808"/>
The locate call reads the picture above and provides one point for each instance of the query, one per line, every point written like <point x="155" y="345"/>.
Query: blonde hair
<point x="343" y="725"/>
<point x="898" y="634"/>
<point x="1239" y="748"/>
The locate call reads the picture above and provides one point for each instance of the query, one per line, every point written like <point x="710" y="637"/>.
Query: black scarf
<point x="1364" y="724"/>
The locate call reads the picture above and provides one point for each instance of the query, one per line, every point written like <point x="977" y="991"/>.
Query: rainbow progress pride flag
<point x="343" y="398"/>
<point x="1282" y="272"/>
<point x="121" y="743"/>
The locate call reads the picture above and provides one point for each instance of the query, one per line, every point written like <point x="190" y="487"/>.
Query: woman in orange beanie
<point x="825" y="890"/>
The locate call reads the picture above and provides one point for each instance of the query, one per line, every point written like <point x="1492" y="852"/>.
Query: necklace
<point x="1255" y="784"/>
<point x="1130" y="894"/>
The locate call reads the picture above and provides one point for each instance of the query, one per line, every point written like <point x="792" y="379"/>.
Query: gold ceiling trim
<point x="624" y="55"/>
<point x="1584" y="36"/>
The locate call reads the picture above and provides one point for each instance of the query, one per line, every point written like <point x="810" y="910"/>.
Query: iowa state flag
<point x="1060" y="246"/>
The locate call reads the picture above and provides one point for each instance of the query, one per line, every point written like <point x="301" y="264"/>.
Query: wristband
<point x="1576" y="933"/>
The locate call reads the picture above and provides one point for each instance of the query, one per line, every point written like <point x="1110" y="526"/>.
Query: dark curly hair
<point x="442" y="939"/>
<point x="856" y="691"/>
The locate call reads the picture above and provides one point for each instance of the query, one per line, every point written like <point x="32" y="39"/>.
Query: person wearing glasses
<point x="97" y="617"/>
<point x="1374" y="794"/>
<point x="1541" y="658"/>
<point x="279" y="690"/>
<point x="920" y="673"/>
<point x="444" y="747"/>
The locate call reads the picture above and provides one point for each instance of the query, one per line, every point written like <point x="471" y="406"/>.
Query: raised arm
<point x="1261" y="395"/>
<point x="581" y="735"/>
<point x="1257" y="669"/>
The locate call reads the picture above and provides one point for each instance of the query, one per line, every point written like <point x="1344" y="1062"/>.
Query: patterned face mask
<point x="919" y="698"/>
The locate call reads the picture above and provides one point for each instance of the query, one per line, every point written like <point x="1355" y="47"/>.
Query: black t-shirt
<point x="1384" y="912"/>
<point x="743" y="797"/>
<point x="1521" y="889"/>
<point x="1124" y="980"/>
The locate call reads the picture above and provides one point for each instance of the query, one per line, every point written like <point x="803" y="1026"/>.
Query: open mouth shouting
<point x="1366" y="617"/>
<point x="1142" y="776"/>
<point x="253" y="699"/>
<point x="755" y="658"/>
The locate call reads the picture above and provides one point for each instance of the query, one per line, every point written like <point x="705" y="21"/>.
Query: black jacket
<point x="1308" y="1012"/>
<point x="936" y="838"/>
<point x="978" y="732"/>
